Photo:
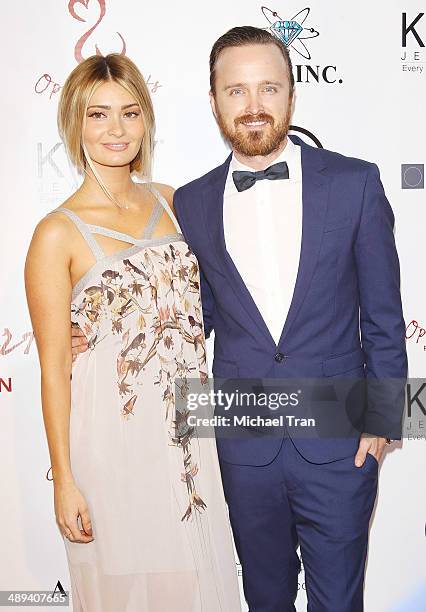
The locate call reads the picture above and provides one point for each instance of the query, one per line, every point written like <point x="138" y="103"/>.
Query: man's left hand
<point x="369" y="444"/>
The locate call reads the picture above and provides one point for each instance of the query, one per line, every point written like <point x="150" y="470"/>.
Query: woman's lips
<point x="122" y="146"/>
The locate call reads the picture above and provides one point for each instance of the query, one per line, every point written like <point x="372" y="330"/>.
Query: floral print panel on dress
<point x="159" y="290"/>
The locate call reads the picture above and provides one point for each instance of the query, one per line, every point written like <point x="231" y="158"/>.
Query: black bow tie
<point x="244" y="179"/>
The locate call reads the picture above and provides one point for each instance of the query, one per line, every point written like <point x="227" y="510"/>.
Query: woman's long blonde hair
<point x="74" y="100"/>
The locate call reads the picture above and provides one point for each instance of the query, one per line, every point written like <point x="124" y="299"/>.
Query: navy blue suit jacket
<point x="345" y="317"/>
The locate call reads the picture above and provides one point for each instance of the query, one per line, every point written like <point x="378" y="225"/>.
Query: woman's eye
<point x="134" y="113"/>
<point x="96" y="114"/>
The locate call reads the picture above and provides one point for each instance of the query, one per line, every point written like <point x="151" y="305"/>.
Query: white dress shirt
<point x="263" y="232"/>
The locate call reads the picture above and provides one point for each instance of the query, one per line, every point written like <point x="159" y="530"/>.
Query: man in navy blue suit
<point x="300" y="279"/>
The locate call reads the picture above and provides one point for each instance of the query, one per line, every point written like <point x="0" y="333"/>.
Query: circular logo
<point x="412" y="176"/>
<point x="309" y="138"/>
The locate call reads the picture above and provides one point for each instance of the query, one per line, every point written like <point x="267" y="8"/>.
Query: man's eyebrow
<point x="235" y="85"/>
<point x="106" y="107"/>
<point x="277" y="83"/>
<point x="266" y="82"/>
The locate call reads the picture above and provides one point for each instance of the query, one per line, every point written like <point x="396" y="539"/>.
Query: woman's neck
<point x="117" y="180"/>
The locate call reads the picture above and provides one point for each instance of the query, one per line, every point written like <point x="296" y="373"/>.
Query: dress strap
<point x="84" y="231"/>
<point x="110" y="233"/>
<point x="155" y="217"/>
<point x="162" y="205"/>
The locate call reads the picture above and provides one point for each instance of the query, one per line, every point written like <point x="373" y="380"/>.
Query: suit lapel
<point x="213" y="210"/>
<point x="315" y="191"/>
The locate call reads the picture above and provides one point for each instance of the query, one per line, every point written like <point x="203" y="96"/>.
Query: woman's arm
<point x="48" y="288"/>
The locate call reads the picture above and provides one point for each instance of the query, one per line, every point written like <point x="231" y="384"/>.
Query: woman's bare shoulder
<point x="55" y="227"/>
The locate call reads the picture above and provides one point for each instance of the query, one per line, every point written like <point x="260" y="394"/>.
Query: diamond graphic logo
<point x="288" y="31"/>
<point x="412" y="176"/>
<point x="291" y="32"/>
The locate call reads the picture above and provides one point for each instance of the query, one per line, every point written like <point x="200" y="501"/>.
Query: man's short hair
<point x="247" y="35"/>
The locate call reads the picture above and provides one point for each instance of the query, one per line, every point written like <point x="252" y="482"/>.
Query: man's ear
<point x="213" y="103"/>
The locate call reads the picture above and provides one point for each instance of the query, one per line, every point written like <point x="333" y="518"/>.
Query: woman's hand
<point x="79" y="342"/>
<point x="69" y="504"/>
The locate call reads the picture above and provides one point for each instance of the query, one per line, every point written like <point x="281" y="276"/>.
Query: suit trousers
<point x="323" y="508"/>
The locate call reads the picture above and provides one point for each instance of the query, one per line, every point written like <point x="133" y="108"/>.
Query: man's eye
<point x="236" y="92"/>
<point x="270" y="89"/>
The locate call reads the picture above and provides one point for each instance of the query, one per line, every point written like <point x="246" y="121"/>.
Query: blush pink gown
<point x="162" y="536"/>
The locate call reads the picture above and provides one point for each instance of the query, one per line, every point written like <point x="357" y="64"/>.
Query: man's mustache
<point x="251" y="118"/>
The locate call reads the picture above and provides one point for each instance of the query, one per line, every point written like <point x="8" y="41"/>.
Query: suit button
<point x="279" y="357"/>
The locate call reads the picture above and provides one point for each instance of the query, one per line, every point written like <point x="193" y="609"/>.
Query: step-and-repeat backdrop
<point x="360" y="69"/>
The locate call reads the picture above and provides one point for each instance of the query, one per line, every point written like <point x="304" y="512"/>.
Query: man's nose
<point x="254" y="103"/>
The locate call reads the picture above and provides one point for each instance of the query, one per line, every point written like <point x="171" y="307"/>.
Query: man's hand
<point x="369" y="444"/>
<point x="79" y="342"/>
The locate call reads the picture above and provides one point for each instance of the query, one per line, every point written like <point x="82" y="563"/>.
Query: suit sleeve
<point x="207" y="299"/>
<point x="381" y="320"/>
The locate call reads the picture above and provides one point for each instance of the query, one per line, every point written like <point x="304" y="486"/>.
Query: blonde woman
<point x="140" y="505"/>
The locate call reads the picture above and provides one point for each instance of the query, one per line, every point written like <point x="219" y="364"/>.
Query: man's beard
<point x="255" y="142"/>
